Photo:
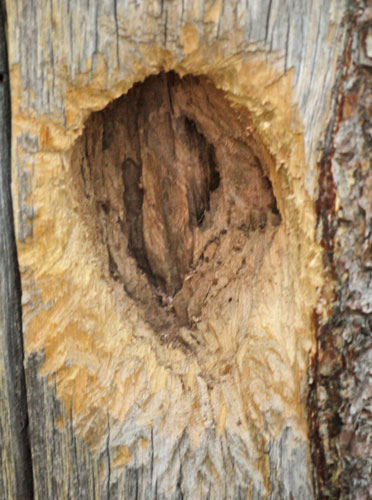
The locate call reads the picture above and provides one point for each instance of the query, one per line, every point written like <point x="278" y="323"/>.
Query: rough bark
<point x="341" y="395"/>
<point x="176" y="235"/>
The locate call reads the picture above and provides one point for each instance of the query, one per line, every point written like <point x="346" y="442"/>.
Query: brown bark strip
<point x="324" y="423"/>
<point x="341" y="396"/>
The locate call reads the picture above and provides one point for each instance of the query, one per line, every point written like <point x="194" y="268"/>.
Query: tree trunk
<point x="192" y="207"/>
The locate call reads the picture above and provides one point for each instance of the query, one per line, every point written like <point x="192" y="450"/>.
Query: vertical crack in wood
<point x="133" y="201"/>
<point x="116" y="21"/>
<point x="108" y="457"/>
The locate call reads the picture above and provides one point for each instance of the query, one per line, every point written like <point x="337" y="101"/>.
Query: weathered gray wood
<point x="15" y="456"/>
<point x="64" y="468"/>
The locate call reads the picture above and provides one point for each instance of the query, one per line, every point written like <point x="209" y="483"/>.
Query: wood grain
<point x="116" y="412"/>
<point x="15" y="455"/>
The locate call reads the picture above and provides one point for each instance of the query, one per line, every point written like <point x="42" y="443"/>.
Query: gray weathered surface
<point x="76" y="472"/>
<point x="15" y="457"/>
<point x="63" y="466"/>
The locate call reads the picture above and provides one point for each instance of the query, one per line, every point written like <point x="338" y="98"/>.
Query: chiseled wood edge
<point x="15" y="456"/>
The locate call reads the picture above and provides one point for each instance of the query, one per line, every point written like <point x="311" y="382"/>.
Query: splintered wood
<point x="179" y="197"/>
<point x="166" y="283"/>
<point x="164" y="174"/>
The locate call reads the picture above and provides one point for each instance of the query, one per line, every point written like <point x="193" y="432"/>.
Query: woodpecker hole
<point x="177" y="194"/>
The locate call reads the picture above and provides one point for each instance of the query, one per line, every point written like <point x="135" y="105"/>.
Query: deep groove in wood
<point x="180" y="188"/>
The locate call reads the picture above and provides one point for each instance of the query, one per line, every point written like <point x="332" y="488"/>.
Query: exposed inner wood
<point x="178" y="196"/>
<point x="217" y="421"/>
